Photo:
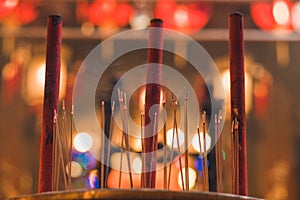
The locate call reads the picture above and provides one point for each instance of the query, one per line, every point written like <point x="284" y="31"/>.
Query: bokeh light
<point x="171" y="140"/>
<point x="192" y="178"/>
<point x="83" y="142"/>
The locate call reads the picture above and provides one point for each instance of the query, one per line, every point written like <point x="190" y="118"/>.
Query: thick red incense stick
<point x="237" y="82"/>
<point x="51" y="93"/>
<point x="152" y="98"/>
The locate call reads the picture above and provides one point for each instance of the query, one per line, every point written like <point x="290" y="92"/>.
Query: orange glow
<point x="248" y="90"/>
<point x="113" y="179"/>
<point x="35" y="81"/>
<point x="9" y="71"/>
<point x="189" y="17"/>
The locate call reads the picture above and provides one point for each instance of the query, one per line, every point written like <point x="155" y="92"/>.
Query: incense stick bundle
<point x="237" y="85"/>
<point x="175" y="132"/>
<point x="66" y="141"/>
<point x="125" y="138"/>
<point x="152" y="98"/>
<point x="51" y="94"/>
<point x="58" y="156"/>
<point x="111" y="128"/>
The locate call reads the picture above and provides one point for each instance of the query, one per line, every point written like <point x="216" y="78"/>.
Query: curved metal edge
<point x="124" y="194"/>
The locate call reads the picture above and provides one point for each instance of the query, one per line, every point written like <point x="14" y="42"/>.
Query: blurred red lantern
<point x="16" y="12"/>
<point x="7" y="7"/>
<point x="296" y="15"/>
<point x="109" y="13"/>
<point x="165" y="10"/>
<point x="274" y="15"/>
<point x="187" y="18"/>
<point x="25" y="13"/>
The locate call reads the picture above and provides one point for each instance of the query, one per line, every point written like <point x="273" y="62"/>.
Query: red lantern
<point x="109" y="13"/>
<point x="16" y="12"/>
<point x="7" y="7"/>
<point x="24" y="13"/>
<point x="187" y="18"/>
<point x="165" y="10"/>
<point x="274" y="15"/>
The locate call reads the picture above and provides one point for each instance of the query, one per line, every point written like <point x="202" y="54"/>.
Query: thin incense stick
<point x="178" y="147"/>
<point x="237" y="93"/>
<point x="51" y="93"/>
<point x="201" y="154"/>
<point x="111" y="127"/>
<point x="64" y="138"/>
<point x="121" y="160"/>
<point x="186" y="153"/>
<point x="64" y="135"/>
<point x="102" y="145"/>
<point x="219" y="153"/>
<point x="164" y="101"/>
<point x="120" y="95"/>
<point x="70" y="148"/>
<point x="127" y="145"/>
<point x="123" y="109"/>
<point x="205" y="152"/>
<point x="143" y="156"/>
<point x="216" y="150"/>
<point x="179" y="157"/>
<point x="175" y="132"/>
<point x="61" y="159"/>
<point x="154" y="131"/>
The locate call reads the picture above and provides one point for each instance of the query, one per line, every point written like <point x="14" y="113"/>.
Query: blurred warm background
<point x="272" y="49"/>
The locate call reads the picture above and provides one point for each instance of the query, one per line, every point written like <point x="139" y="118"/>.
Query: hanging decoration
<point x="276" y="15"/>
<point x="105" y="13"/>
<point x="17" y="12"/>
<point x="187" y="17"/>
<point x="7" y="7"/>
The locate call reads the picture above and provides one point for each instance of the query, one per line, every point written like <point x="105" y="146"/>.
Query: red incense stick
<point x="152" y="98"/>
<point x="237" y="82"/>
<point x="51" y="94"/>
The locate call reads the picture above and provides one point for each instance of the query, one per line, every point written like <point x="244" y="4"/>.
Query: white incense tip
<point x="63" y="105"/>
<point x="186" y="94"/>
<point x="113" y="106"/>
<point x="55" y="116"/>
<point x="72" y="110"/>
